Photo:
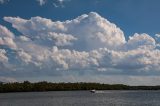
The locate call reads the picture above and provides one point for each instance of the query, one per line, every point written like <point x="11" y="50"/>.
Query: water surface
<point x="81" y="98"/>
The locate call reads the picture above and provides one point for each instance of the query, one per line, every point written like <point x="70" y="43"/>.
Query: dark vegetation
<point x="27" y="86"/>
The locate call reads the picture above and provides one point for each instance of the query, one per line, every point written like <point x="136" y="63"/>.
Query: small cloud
<point x="42" y="2"/>
<point x="56" y="3"/>
<point x="157" y="35"/>
<point x="3" y="1"/>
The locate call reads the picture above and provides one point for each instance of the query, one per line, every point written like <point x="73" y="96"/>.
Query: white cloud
<point x="56" y="3"/>
<point x="61" y="39"/>
<point x="4" y="32"/>
<point x="3" y="57"/>
<point x="24" y="38"/>
<point x="157" y="35"/>
<point x="141" y="41"/>
<point x="86" y="28"/>
<point x="7" y="37"/>
<point x="157" y="39"/>
<point x="86" y="44"/>
<point x="24" y="56"/>
<point x="3" y="1"/>
<point x="42" y="2"/>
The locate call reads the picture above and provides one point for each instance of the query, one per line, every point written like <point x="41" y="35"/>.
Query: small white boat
<point x="93" y="91"/>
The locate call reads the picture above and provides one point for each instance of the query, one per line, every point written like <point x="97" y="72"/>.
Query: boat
<point x="93" y="91"/>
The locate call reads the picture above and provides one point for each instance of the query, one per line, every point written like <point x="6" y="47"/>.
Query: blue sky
<point x="132" y="16"/>
<point x="107" y="41"/>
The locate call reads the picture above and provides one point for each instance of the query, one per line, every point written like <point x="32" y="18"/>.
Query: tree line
<point x="27" y="86"/>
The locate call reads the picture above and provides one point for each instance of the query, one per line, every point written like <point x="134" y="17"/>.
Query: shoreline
<point x="44" y="86"/>
<point x="103" y="91"/>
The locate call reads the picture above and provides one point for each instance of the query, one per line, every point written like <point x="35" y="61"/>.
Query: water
<point x="81" y="98"/>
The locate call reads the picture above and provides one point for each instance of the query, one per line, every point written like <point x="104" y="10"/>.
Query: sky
<point x="105" y="41"/>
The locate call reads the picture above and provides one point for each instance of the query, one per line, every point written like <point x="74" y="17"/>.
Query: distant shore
<point x="27" y="86"/>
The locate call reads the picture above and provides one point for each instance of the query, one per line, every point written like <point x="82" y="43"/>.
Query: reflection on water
<point x="82" y="98"/>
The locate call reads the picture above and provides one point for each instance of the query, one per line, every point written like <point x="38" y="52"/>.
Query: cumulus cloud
<point x="86" y="28"/>
<point x="4" y="32"/>
<point x="141" y="41"/>
<point x="61" y="39"/>
<point x="24" y="56"/>
<point x="7" y="37"/>
<point x="86" y="44"/>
